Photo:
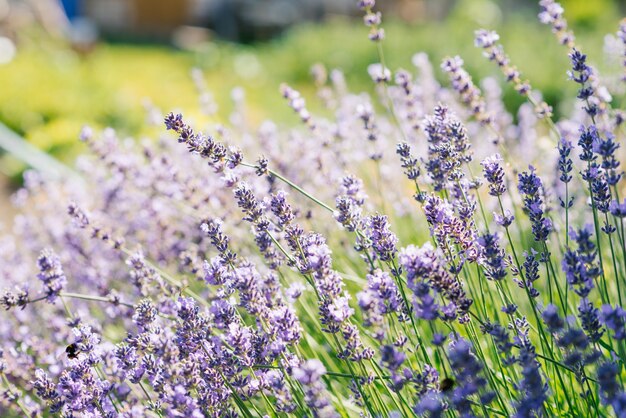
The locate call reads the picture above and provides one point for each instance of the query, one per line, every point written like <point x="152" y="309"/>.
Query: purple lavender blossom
<point x="381" y="297"/>
<point x="581" y="267"/>
<point x="467" y="371"/>
<point x="552" y="14"/>
<point x="51" y="274"/>
<point x="581" y="74"/>
<point x="248" y="203"/>
<point x="448" y="147"/>
<point x="431" y="405"/>
<point x="565" y="162"/>
<point x="392" y="359"/>
<point x="46" y="390"/>
<point x="145" y="314"/>
<point x="14" y="298"/>
<point x="449" y="230"/>
<point x="366" y="114"/>
<point x="372" y="20"/>
<point x="588" y="138"/>
<point x="618" y="209"/>
<point x="494" y="174"/>
<point x="606" y="148"/>
<point x="80" y="387"/>
<point x="501" y="338"/>
<point x="590" y="320"/>
<point x="349" y="214"/>
<point x="424" y="267"/>
<point x="285" y="325"/>
<point x="383" y="240"/>
<point x="505" y="220"/>
<point x="197" y="143"/>
<point x="614" y="318"/>
<point x="349" y="202"/>
<point x="493" y="257"/>
<point x="612" y="392"/>
<point x="531" y="273"/>
<point x="533" y="389"/>
<point x="379" y="73"/>
<point x="298" y="104"/>
<point x="531" y="187"/>
<point x="551" y="318"/>
<point x="309" y="375"/>
<point x="600" y="192"/>
<point x="409" y="163"/>
<point x="353" y="188"/>
<point x="142" y="276"/>
<point x="488" y="41"/>
<point x="464" y="86"/>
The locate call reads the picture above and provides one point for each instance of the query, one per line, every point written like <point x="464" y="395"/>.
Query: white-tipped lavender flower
<point x="552" y="14"/>
<point x="488" y="41"/>
<point x="298" y="104"/>
<point x="470" y="94"/>
<point x="372" y="20"/>
<point x="379" y="73"/>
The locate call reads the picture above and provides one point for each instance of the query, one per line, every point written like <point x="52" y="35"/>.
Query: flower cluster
<point x="155" y="286"/>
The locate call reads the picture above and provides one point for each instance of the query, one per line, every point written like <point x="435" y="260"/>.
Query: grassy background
<point x="49" y="91"/>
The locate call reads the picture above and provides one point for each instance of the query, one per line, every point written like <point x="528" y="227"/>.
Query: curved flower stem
<point x="292" y="185"/>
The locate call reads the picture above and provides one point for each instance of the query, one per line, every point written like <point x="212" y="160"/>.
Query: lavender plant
<point x="271" y="271"/>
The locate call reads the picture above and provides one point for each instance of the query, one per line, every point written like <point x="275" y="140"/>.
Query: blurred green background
<point x="52" y="87"/>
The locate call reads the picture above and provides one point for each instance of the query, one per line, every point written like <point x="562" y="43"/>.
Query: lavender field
<point x="423" y="251"/>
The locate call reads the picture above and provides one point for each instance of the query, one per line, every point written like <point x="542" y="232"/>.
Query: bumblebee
<point x="72" y="351"/>
<point x="446" y="385"/>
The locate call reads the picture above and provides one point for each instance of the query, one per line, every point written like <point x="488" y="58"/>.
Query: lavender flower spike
<point x="470" y="94"/>
<point x="531" y="188"/>
<point x="51" y="274"/>
<point x="488" y="41"/>
<point x="552" y="14"/>
<point x="494" y="174"/>
<point x="383" y="240"/>
<point x="309" y="375"/>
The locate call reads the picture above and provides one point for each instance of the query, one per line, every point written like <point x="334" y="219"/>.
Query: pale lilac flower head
<point x="378" y="73"/>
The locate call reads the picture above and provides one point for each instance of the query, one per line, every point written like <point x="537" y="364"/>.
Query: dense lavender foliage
<point x="421" y="253"/>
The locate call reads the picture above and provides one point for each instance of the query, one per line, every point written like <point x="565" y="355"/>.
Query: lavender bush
<point x="421" y="253"/>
